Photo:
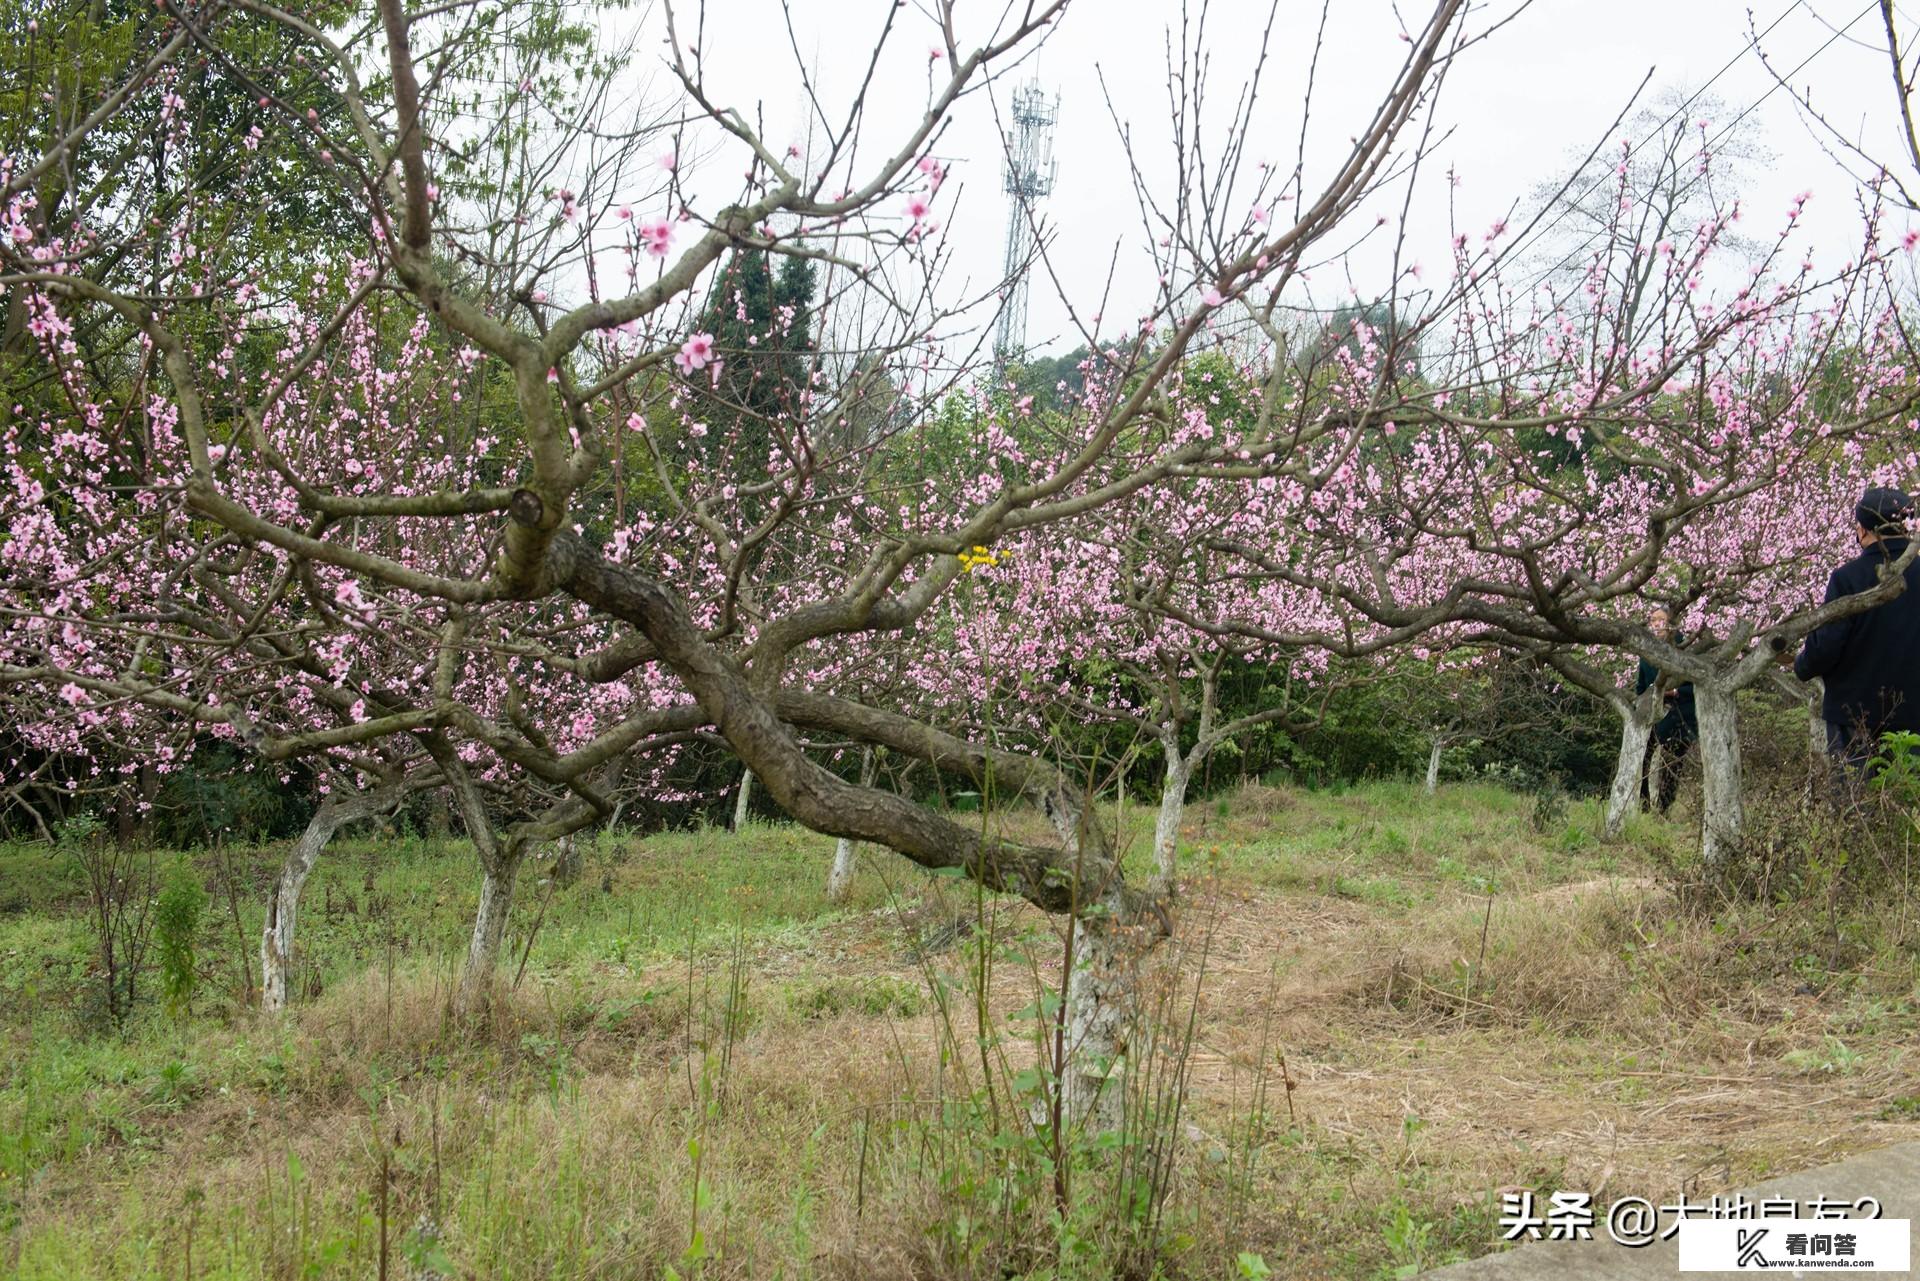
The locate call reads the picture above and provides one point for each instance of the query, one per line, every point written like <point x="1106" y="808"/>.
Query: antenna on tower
<point x="1030" y="174"/>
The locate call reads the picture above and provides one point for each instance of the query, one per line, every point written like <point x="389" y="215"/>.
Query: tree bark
<point x="1433" y="766"/>
<point x="124" y="834"/>
<point x="1723" y="818"/>
<point x="1081" y="873"/>
<point x="1166" y="828"/>
<point x="501" y="855"/>
<point x="1082" y="865"/>
<point x="1636" y="730"/>
<point x="499" y="866"/>
<point x="742" y="799"/>
<point x="489" y="927"/>
<point x="1102" y="1013"/>
<point x="567" y="861"/>
<point x="276" y="938"/>
<point x="840" y="875"/>
<point x="283" y="905"/>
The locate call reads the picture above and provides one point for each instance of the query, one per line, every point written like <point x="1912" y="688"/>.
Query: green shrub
<point x="176" y="927"/>
<point x="223" y="793"/>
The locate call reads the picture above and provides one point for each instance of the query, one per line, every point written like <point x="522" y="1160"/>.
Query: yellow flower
<point x="980" y="558"/>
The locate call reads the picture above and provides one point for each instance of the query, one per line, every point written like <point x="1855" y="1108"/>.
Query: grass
<point x="1400" y="1005"/>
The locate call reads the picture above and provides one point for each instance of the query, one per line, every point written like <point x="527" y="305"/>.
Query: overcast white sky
<point x="1522" y="108"/>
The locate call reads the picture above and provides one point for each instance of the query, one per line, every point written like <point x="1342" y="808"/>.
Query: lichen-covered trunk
<point x="489" y="929"/>
<point x="1433" y="766"/>
<point x="1723" y="816"/>
<point x="1658" y="763"/>
<point x="840" y="875"/>
<point x="1111" y="936"/>
<point x="283" y="905"/>
<point x="742" y="799"/>
<point x="1166" y="827"/>
<point x="1102" y="1006"/>
<point x="1636" y="731"/>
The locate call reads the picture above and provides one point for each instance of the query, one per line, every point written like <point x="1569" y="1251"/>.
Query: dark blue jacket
<point x="1682" y="721"/>
<point x="1871" y="661"/>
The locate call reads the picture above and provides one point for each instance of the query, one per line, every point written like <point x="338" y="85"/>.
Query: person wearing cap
<point x="1870" y="661"/>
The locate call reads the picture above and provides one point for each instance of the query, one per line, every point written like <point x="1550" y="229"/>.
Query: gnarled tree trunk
<point x="502" y="853"/>
<point x="283" y="905"/>
<point x="1081" y="873"/>
<point x="1166" y="827"/>
<point x="1723" y="816"/>
<point x="1111" y="938"/>
<point x="500" y="868"/>
<point x="1637" y="719"/>
<point x="568" y="861"/>
<point x="1434" y="753"/>
<point x="1102" y="1005"/>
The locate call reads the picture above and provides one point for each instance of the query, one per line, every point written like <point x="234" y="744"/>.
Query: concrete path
<point x="1890" y="1175"/>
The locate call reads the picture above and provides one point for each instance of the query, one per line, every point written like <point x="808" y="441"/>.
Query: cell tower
<point x="1030" y="173"/>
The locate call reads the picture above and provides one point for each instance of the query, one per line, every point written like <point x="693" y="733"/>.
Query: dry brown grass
<point x="1600" y="1038"/>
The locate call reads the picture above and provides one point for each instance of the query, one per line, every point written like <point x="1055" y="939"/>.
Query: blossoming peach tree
<point x="471" y="500"/>
<point x="1565" y="461"/>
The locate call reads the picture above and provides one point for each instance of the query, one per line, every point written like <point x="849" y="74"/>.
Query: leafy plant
<point x="1410" y="1241"/>
<point x="174" y="1086"/>
<point x="176" y="927"/>
<point x="1831" y="1058"/>
<point x="1896" y="769"/>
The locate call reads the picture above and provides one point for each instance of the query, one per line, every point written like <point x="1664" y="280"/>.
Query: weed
<point x="120" y="894"/>
<point x="1549" y="805"/>
<point x="860" y="1111"/>
<point x="1831" y="1057"/>
<point x="877" y="997"/>
<point x="176" y="928"/>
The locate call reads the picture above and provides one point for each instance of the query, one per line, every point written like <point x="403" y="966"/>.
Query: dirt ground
<point x="1384" y="1014"/>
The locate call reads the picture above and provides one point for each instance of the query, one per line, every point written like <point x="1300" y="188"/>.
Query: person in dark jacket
<point x="1676" y="731"/>
<point x="1871" y="661"/>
